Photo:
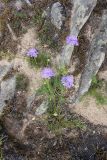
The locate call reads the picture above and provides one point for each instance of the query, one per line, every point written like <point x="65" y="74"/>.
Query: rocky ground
<point x="26" y="132"/>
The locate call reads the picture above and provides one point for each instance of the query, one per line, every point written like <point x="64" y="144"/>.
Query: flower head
<point x="47" y="73"/>
<point x="67" y="81"/>
<point x="32" y="52"/>
<point x="72" y="40"/>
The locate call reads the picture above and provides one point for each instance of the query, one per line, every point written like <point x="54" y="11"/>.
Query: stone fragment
<point x="30" y="101"/>
<point x="4" y="69"/>
<point x="42" y="108"/>
<point x="7" y="91"/>
<point x="57" y="16"/>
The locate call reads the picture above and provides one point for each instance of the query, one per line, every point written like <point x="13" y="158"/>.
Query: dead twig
<point x="12" y="32"/>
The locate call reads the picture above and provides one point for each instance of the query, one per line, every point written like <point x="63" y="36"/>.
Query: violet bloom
<point x="47" y="73"/>
<point x="72" y="40"/>
<point x="67" y="81"/>
<point x="32" y="52"/>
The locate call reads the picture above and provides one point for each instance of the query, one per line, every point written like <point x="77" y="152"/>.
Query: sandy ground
<point x="88" y="108"/>
<point x="28" y="40"/>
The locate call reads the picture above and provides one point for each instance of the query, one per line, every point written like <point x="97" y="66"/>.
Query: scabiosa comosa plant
<point x="32" y="52"/>
<point x="47" y="74"/>
<point x="54" y="88"/>
<point x="37" y="59"/>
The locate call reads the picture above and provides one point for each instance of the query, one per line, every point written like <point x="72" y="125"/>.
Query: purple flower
<point x="72" y="40"/>
<point x="67" y="81"/>
<point x="32" y="52"/>
<point x="47" y="73"/>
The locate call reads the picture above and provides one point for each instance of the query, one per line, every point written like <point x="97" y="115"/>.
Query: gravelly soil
<point x="89" y="144"/>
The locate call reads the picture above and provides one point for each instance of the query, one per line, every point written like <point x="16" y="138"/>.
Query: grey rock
<point x="57" y="16"/>
<point x="96" y="57"/>
<point x="30" y="101"/>
<point x="7" y="91"/>
<point x="4" y="69"/>
<point x="42" y="108"/>
<point x="81" y="12"/>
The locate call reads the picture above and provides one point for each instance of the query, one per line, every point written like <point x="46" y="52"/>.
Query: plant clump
<point x="36" y="59"/>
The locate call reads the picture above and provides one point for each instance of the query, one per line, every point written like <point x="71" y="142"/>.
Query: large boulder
<point x="7" y="84"/>
<point x="4" y="69"/>
<point x="7" y="91"/>
<point x="96" y="56"/>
